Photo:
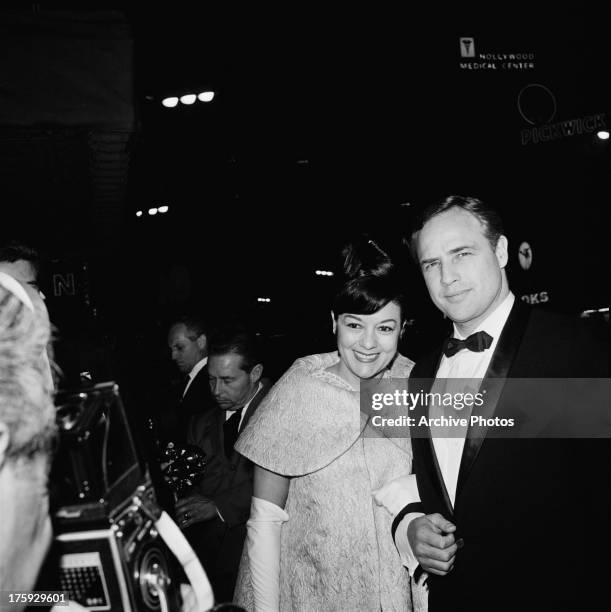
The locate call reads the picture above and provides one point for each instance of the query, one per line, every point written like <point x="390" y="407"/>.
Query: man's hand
<point x="194" y="509"/>
<point x="431" y="538"/>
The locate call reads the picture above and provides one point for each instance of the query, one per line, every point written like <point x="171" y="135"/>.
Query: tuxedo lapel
<point x="492" y="386"/>
<point x="423" y="375"/>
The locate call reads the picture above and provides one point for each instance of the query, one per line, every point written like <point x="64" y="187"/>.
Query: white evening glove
<point x="397" y="493"/>
<point x="69" y="606"/>
<point x="263" y="546"/>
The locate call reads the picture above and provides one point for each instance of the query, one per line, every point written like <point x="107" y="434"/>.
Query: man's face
<point x="463" y="273"/>
<point x="25" y="528"/>
<point x="22" y="270"/>
<point x="186" y="348"/>
<point x="231" y="386"/>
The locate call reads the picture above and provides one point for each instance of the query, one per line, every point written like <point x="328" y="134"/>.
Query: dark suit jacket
<point x="228" y="482"/>
<point x="197" y="401"/>
<point x="532" y="512"/>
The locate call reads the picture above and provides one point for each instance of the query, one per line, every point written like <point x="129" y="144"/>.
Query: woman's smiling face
<point x="367" y="343"/>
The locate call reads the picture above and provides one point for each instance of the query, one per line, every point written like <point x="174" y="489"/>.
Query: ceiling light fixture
<point x="188" y="99"/>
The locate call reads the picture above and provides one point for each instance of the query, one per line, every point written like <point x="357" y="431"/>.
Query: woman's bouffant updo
<point x="369" y="278"/>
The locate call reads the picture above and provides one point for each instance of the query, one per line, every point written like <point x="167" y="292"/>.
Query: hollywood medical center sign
<point x="472" y="60"/>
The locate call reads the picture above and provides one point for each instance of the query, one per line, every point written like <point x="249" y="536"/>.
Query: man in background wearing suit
<point x="188" y="343"/>
<point x="503" y="524"/>
<point x="214" y="517"/>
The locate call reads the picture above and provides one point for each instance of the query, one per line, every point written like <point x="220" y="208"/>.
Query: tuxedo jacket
<point x="532" y="512"/>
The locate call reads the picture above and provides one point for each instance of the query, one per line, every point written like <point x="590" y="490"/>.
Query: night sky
<point x="322" y="126"/>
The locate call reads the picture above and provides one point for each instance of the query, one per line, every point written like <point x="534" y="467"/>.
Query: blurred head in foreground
<point x="27" y="434"/>
<point x="20" y="261"/>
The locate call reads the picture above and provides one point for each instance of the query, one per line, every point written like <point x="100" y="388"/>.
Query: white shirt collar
<point x="493" y="324"/>
<point x="197" y="367"/>
<point x="244" y="408"/>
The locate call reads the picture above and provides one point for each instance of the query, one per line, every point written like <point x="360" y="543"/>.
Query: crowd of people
<point x="302" y="503"/>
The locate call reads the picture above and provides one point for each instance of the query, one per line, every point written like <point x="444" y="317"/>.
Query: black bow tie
<point x="476" y="342"/>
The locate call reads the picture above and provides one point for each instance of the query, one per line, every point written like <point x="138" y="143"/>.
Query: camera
<point x="109" y="552"/>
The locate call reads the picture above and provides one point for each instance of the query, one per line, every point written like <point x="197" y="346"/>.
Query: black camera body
<point x="109" y="552"/>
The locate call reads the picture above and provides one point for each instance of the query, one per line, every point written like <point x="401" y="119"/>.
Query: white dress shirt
<point x="466" y="365"/>
<point x="228" y="413"/>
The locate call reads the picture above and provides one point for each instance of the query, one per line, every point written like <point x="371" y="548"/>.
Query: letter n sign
<point x="63" y="284"/>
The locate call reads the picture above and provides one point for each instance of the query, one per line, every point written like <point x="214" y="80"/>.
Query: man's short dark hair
<point x="196" y="324"/>
<point x="14" y="251"/>
<point x="236" y="340"/>
<point x="487" y="215"/>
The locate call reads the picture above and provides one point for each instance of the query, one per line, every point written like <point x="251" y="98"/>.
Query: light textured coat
<point x="336" y="549"/>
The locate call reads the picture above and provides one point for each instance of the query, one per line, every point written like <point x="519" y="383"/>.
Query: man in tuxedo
<point x="188" y="343"/>
<point x="214" y="516"/>
<point x="498" y="523"/>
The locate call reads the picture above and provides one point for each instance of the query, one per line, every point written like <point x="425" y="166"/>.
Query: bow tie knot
<point x="476" y="342"/>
